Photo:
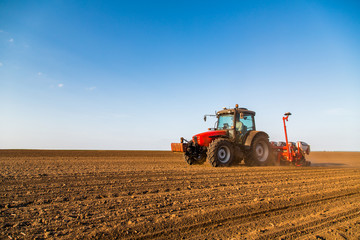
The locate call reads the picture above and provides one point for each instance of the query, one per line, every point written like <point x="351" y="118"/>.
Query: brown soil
<point x="145" y="194"/>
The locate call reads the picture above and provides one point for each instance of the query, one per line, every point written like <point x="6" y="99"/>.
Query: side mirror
<point x="287" y="114"/>
<point x="204" y="118"/>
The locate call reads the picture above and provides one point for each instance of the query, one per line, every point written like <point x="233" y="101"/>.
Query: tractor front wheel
<point x="220" y="153"/>
<point x="193" y="156"/>
<point x="260" y="152"/>
<point x="195" y="160"/>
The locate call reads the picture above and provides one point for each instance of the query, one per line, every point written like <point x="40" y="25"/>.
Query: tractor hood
<point x="204" y="139"/>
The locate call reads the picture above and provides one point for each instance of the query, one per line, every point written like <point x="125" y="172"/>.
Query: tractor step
<point x="178" y="147"/>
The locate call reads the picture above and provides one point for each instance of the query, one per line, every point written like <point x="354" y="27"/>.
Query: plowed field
<point x="154" y="194"/>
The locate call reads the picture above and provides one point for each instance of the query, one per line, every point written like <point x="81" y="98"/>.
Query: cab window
<point x="244" y="124"/>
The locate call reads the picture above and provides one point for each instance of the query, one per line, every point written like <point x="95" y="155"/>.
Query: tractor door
<point x="244" y="124"/>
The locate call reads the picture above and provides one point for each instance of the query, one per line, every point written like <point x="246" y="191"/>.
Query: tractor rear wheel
<point x="220" y="153"/>
<point x="260" y="152"/>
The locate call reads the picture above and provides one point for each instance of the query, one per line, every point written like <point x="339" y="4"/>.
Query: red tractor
<point x="235" y="139"/>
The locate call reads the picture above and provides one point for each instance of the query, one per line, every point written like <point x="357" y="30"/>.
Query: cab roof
<point x="238" y="110"/>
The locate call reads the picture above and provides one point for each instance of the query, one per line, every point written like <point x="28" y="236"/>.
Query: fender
<point x="251" y="136"/>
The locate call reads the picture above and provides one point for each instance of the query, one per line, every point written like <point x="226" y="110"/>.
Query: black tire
<point x="195" y="161"/>
<point x="189" y="160"/>
<point x="260" y="152"/>
<point x="192" y="158"/>
<point x="220" y="153"/>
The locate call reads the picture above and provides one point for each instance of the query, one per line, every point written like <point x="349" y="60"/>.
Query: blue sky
<point x="141" y="74"/>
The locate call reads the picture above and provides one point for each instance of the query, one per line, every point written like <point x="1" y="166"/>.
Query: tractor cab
<point x="237" y="121"/>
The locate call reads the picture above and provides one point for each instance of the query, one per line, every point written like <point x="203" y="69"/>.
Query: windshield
<point x="225" y="121"/>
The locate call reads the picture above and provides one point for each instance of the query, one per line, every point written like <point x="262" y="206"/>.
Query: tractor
<point x="234" y="138"/>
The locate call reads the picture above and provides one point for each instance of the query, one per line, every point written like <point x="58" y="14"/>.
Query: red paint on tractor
<point x="205" y="138"/>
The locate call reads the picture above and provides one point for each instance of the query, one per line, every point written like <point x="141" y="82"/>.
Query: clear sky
<point x="141" y="74"/>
